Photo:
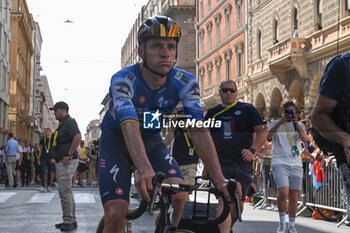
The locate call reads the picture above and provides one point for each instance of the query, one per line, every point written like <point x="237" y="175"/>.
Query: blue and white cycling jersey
<point x="130" y="97"/>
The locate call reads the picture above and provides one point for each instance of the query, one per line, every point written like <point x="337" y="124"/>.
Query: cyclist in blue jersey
<point x="138" y="95"/>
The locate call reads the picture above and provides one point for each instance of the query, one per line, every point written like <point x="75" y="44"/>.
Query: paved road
<point x="27" y="210"/>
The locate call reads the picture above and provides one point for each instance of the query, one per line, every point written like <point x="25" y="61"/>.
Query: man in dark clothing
<point x="27" y="163"/>
<point x="331" y="115"/>
<point x="183" y="151"/>
<point x="234" y="141"/>
<point x="65" y="142"/>
<point x="45" y="162"/>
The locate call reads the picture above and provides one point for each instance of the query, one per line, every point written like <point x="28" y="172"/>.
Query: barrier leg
<point x="343" y="220"/>
<point x="263" y="203"/>
<point x="302" y="210"/>
<point x="259" y="203"/>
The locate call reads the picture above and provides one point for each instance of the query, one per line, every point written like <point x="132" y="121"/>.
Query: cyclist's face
<point x="160" y="54"/>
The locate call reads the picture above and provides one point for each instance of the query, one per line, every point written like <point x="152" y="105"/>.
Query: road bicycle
<point x="165" y="223"/>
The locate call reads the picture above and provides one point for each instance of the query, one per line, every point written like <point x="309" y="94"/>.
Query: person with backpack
<point x="331" y="115"/>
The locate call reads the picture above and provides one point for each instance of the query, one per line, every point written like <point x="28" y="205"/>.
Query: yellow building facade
<point x="21" y="53"/>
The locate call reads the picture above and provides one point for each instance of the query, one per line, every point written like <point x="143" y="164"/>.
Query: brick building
<point x="221" y="30"/>
<point x="291" y="68"/>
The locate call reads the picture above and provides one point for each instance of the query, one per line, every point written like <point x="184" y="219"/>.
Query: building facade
<point x="284" y="66"/>
<point x="37" y="96"/>
<point x="48" y="119"/>
<point x="21" y="53"/>
<point x="221" y="45"/>
<point x="93" y="132"/>
<point x="5" y="36"/>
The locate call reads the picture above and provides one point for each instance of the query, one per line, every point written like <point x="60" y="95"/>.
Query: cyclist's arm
<point x="206" y="150"/>
<point x="137" y="151"/>
<point x="170" y="136"/>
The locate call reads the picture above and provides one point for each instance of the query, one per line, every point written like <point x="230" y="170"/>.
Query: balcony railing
<point x="329" y="35"/>
<point x="211" y="96"/>
<point x="166" y="4"/>
<point x="288" y="54"/>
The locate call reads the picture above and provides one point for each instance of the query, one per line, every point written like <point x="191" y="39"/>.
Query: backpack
<point x="340" y="115"/>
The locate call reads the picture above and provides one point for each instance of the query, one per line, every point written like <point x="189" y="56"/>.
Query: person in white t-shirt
<point x="286" y="135"/>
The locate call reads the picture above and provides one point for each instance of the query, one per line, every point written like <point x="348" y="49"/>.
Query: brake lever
<point x="232" y="189"/>
<point x="157" y="181"/>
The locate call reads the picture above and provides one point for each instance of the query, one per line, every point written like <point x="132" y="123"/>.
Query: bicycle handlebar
<point x="174" y="188"/>
<point x="137" y="212"/>
<point x="232" y="189"/>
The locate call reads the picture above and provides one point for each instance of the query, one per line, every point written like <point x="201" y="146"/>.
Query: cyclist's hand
<point x="222" y="186"/>
<point x="144" y="184"/>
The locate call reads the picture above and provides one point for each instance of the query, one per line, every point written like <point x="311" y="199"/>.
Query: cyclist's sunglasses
<point x="225" y="90"/>
<point x="159" y="30"/>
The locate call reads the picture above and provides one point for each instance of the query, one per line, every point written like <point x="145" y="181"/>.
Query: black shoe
<point x="59" y="225"/>
<point x="68" y="227"/>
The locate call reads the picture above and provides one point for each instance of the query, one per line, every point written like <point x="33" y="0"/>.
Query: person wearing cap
<point x="138" y="96"/>
<point x="65" y="142"/>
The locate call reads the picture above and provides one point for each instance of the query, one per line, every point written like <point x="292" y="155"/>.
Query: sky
<point x="80" y="58"/>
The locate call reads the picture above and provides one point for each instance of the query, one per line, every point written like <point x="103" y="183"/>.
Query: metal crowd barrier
<point x="332" y="196"/>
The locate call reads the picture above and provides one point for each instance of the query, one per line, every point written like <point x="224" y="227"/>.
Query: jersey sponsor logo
<point x="195" y="100"/>
<point x="238" y="112"/>
<point x="178" y="74"/>
<point x="114" y="171"/>
<point x="142" y="99"/>
<point x="104" y="194"/>
<point x="172" y="171"/>
<point x="170" y="158"/>
<point x="124" y="88"/>
<point x="184" y="80"/>
<point x="122" y="98"/>
<point x="151" y="120"/>
<point x="130" y="78"/>
<point x="194" y="89"/>
<point x="119" y="191"/>
<point x="125" y="106"/>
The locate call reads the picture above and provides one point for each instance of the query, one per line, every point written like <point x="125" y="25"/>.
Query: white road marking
<point x="84" y="198"/>
<point x="5" y="196"/>
<point x="41" y="198"/>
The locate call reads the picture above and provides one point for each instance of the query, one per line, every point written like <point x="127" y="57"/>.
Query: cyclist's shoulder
<point x="181" y="77"/>
<point x="128" y="74"/>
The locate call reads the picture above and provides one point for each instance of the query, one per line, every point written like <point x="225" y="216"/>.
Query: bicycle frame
<point x="165" y="223"/>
